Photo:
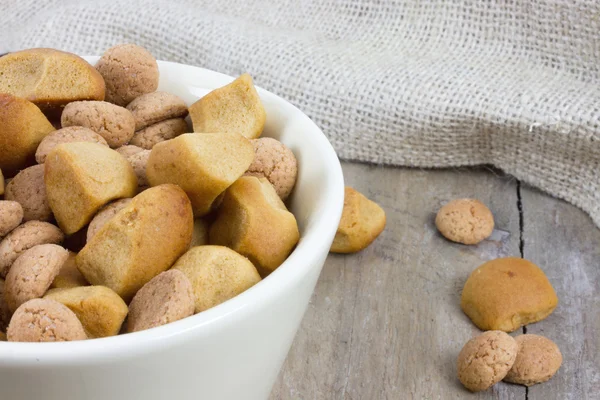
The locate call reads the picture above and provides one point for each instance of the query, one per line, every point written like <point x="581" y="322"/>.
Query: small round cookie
<point x="159" y="132"/>
<point x="507" y="293"/>
<point x="32" y="273"/>
<point x="466" y="221"/>
<point x="11" y="215"/>
<point x="44" y="320"/>
<point x="28" y="189"/>
<point x="66" y="135"/>
<point x="129" y="71"/>
<point x="150" y="108"/>
<point x="104" y="215"/>
<point x="486" y="359"/>
<point x="128" y="150"/>
<point x="115" y="124"/>
<point x="168" y="297"/>
<point x="24" y="237"/>
<point x="537" y="361"/>
<point x="4" y="310"/>
<point x="274" y="161"/>
<point x="139" y="161"/>
<point x="217" y="274"/>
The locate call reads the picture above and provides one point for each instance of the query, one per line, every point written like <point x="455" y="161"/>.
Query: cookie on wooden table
<point x="507" y="293"/>
<point x="466" y="221"/>
<point x="539" y="358"/>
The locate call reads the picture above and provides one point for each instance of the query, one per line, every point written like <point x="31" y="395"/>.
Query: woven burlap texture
<point x="435" y="83"/>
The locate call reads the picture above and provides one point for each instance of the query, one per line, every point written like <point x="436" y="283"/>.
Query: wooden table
<point x="386" y="323"/>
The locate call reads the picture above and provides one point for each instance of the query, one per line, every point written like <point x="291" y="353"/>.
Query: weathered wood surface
<point x="386" y="323"/>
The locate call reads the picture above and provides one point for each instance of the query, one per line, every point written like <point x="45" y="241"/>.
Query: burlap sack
<point x="420" y="83"/>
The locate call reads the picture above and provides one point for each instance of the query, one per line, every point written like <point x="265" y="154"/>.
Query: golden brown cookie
<point x="362" y="221"/>
<point x="253" y="221"/>
<point x="128" y="150"/>
<point x="202" y="165"/>
<point x="100" y="310"/>
<point x="129" y="71"/>
<point x="104" y="215"/>
<point x="49" y="78"/>
<point x="138" y="162"/>
<point x="23" y="128"/>
<point x="28" y="189"/>
<point x="274" y="161"/>
<point x="115" y="124"/>
<point x="159" y="132"/>
<point x="69" y="276"/>
<point x="233" y="108"/>
<point x="5" y="313"/>
<point x="200" y="233"/>
<point x="217" y="274"/>
<point x="466" y="221"/>
<point x="507" y="293"/>
<point x="11" y="215"/>
<point x="81" y="178"/>
<point x="486" y="359"/>
<point x="66" y="135"/>
<point x="150" y="108"/>
<point x="44" y="320"/>
<point x="141" y="241"/>
<point x="539" y="358"/>
<point x="168" y="297"/>
<point x="24" y="237"/>
<point x="32" y="273"/>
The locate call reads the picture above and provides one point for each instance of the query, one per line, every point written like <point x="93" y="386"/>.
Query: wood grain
<point x="386" y="323"/>
<point x="565" y="243"/>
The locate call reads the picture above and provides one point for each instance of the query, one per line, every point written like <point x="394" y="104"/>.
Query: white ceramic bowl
<point x="231" y="352"/>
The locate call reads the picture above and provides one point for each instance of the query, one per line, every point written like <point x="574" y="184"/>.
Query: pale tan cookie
<point x="104" y="215"/>
<point x="5" y="313"/>
<point x="128" y="150"/>
<point x="100" y="310"/>
<point x="28" y="189"/>
<point x="150" y="108"/>
<point x="44" y="320"/>
<point x="129" y="71"/>
<point x="200" y="234"/>
<point x="539" y="358"/>
<point x="253" y="221"/>
<point x="168" y="297"/>
<point x="202" y="165"/>
<point x="81" y="178"/>
<point x="11" y="215"/>
<point x="233" y="108"/>
<point x="141" y="241"/>
<point x="466" y="221"/>
<point x="138" y="162"/>
<point x="69" y="276"/>
<point x="217" y="274"/>
<point x="50" y="78"/>
<point x="23" y="128"/>
<point x="362" y="221"/>
<point x="66" y="135"/>
<point x="274" y="161"/>
<point x="159" y="132"/>
<point x="507" y="293"/>
<point x="115" y="124"/>
<point x="486" y="359"/>
<point x="24" y="237"/>
<point x="32" y="273"/>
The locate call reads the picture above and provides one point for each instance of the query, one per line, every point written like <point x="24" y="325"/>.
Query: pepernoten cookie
<point x="66" y="135"/>
<point x="104" y="215"/>
<point x="28" y="188"/>
<point x="11" y="215"/>
<point x="274" y="161"/>
<point x="537" y="361"/>
<point x="486" y="359"/>
<point x="150" y="108"/>
<point x="466" y="221"/>
<point x="507" y="293"/>
<point x="148" y="137"/>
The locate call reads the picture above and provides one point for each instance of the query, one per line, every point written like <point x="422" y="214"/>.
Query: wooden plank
<point x="386" y="323"/>
<point x="564" y="242"/>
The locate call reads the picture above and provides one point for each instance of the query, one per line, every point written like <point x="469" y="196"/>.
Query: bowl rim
<point x="297" y="265"/>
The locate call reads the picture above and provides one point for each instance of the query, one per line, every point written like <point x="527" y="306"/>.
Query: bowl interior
<point x="316" y="201"/>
